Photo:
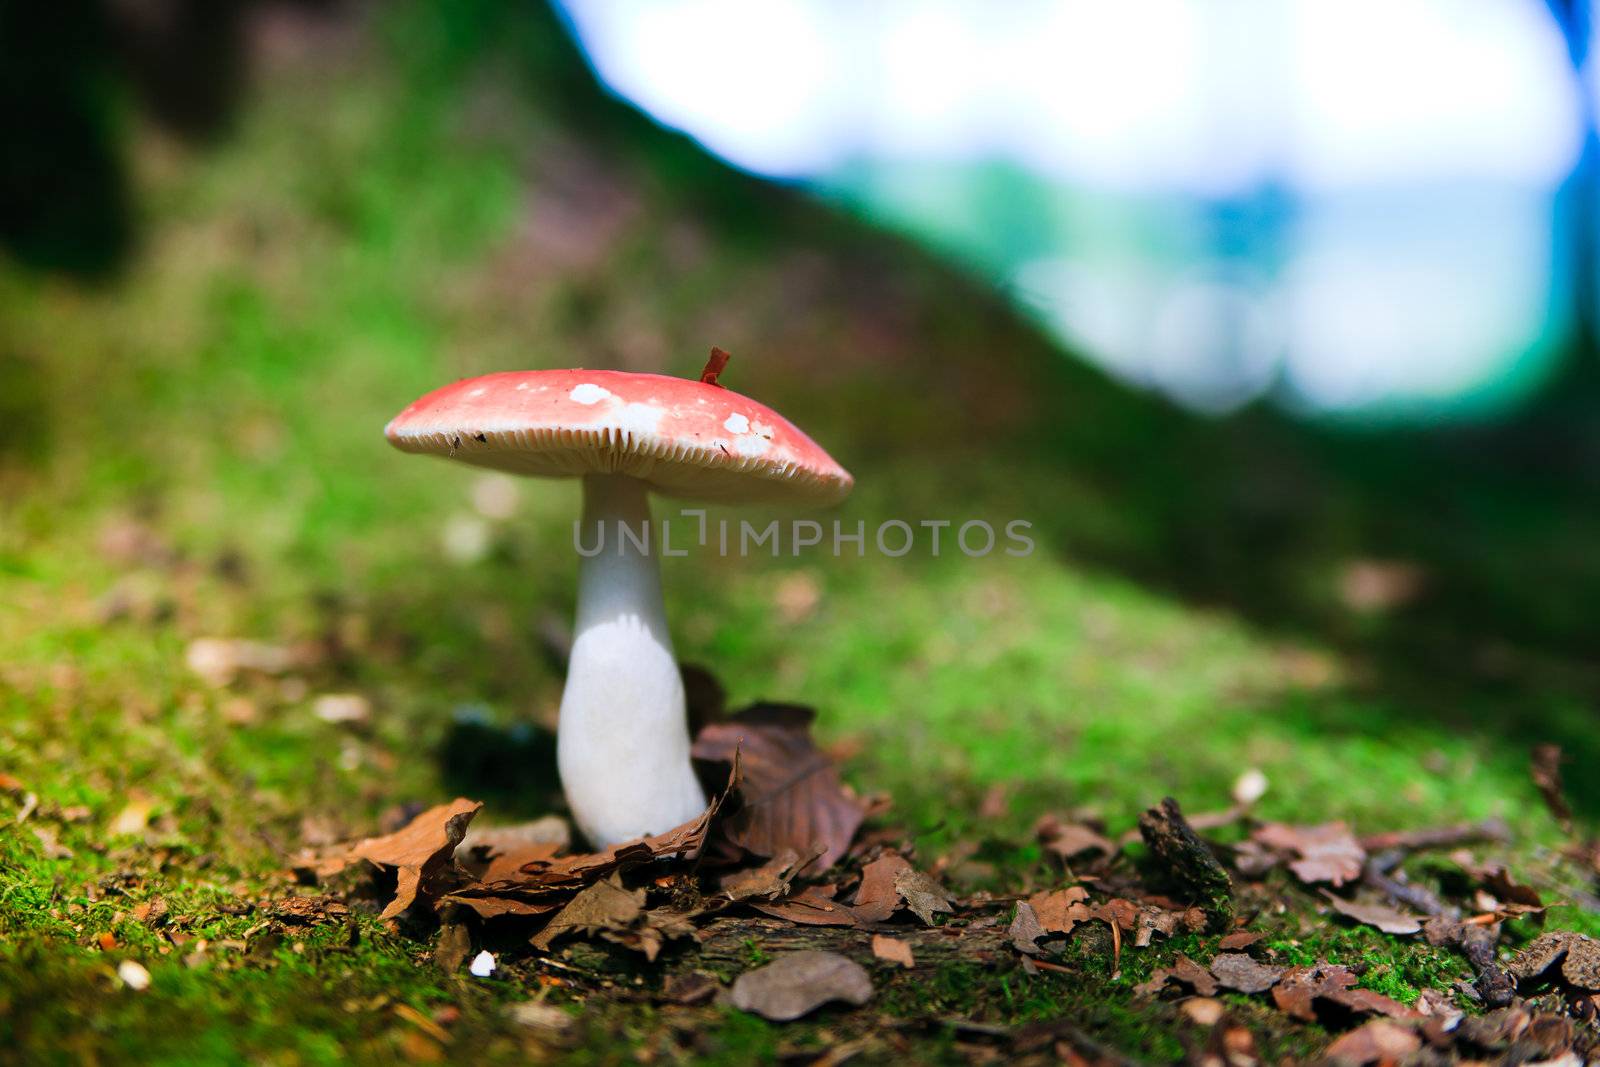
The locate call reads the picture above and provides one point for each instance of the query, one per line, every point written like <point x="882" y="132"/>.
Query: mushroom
<point x="622" y="744"/>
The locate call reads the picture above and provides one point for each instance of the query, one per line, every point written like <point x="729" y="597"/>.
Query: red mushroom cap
<point x="684" y="438"/>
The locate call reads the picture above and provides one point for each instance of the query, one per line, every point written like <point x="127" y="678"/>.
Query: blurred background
<point x="1373" y="211"/>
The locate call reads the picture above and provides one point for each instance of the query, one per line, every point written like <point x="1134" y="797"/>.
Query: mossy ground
<point x="192" y="449"/>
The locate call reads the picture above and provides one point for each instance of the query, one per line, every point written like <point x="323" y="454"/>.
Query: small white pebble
<point x="1249" y="787"/>
<point x="545" y="1017"/>
<point x="342" y="708"/>
<point x="133" y="975"/>
<point x="494" y="496"/>
<point x="466" y="539"/>
<point x="482" y="965"/>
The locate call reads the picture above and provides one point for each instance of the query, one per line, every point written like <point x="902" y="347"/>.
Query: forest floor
<point x="234" y="623"/>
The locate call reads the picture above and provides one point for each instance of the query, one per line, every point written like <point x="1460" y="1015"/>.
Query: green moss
<point x="1395" y="967"/>
<point x="755" y="955"/>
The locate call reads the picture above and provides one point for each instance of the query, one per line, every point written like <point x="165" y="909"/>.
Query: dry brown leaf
<point x="923" y="895"/>
<point x="495" y="853"/>
<point x="692" y="987"/>
<point x="1296" y="991"/>
<point x="1183" y="970"/>
<point x="1059" y="910"/>
<point x="1236" y="971"/>
<point x="573" y="871"/>
<point x="1365" y="1000"/>
<point x="648" y="937"/>
<point x="1378" y="1041"/>
<point x="492" y="902"/>
<point x="1254" y="860"/>
<point x="1188" y="971"/>
<point x="1153" y="920"/>
<point x="1117" y="912"/>
<point x="1025" y="930"/>
<point x="893" y="950"/>
<point x="306" y="910"/>
<point x="877" y="898"/>
<point x="766" y="882"/>
<point x="1069" y="840"/>
<point x="1389" y="920"/>
<point x="1499" y="881"/>
<point x="420" y="850"/>
<point x="602" y="906"/>
<point x="561" y="875"/>
<point x="1301" y="987"/>
<point x="800" y="982"/>
<point x="1437" y="1002"/>
<point x="502" y="866"/>
<point x="1237" y="940"/>
<point x="791" y="794"/>
<point x="1326" y="853"/>
<point x="545" y="883"/>
<point x="812" y="906"/>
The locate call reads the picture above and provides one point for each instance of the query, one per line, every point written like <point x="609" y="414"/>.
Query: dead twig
<point x="1438" y="837"/>
<point x="1376" y="873"/>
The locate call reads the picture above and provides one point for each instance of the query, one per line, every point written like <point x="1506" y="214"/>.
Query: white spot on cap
<point x="479" y="391"/>
<point x="588" y="393"/>
<point x="640" y="418"/>
<point x="482" y="965"/>
<point x="751" y="444"/>
<point x="737" y="424"/>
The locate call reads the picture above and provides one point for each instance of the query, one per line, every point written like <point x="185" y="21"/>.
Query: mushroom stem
<point x="623" y="742"/>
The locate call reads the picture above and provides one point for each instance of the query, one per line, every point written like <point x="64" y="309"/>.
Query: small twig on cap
<point x="715" y="366"/>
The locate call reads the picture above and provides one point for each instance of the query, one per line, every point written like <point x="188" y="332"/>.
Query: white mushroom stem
<point x="623" y="741"/>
